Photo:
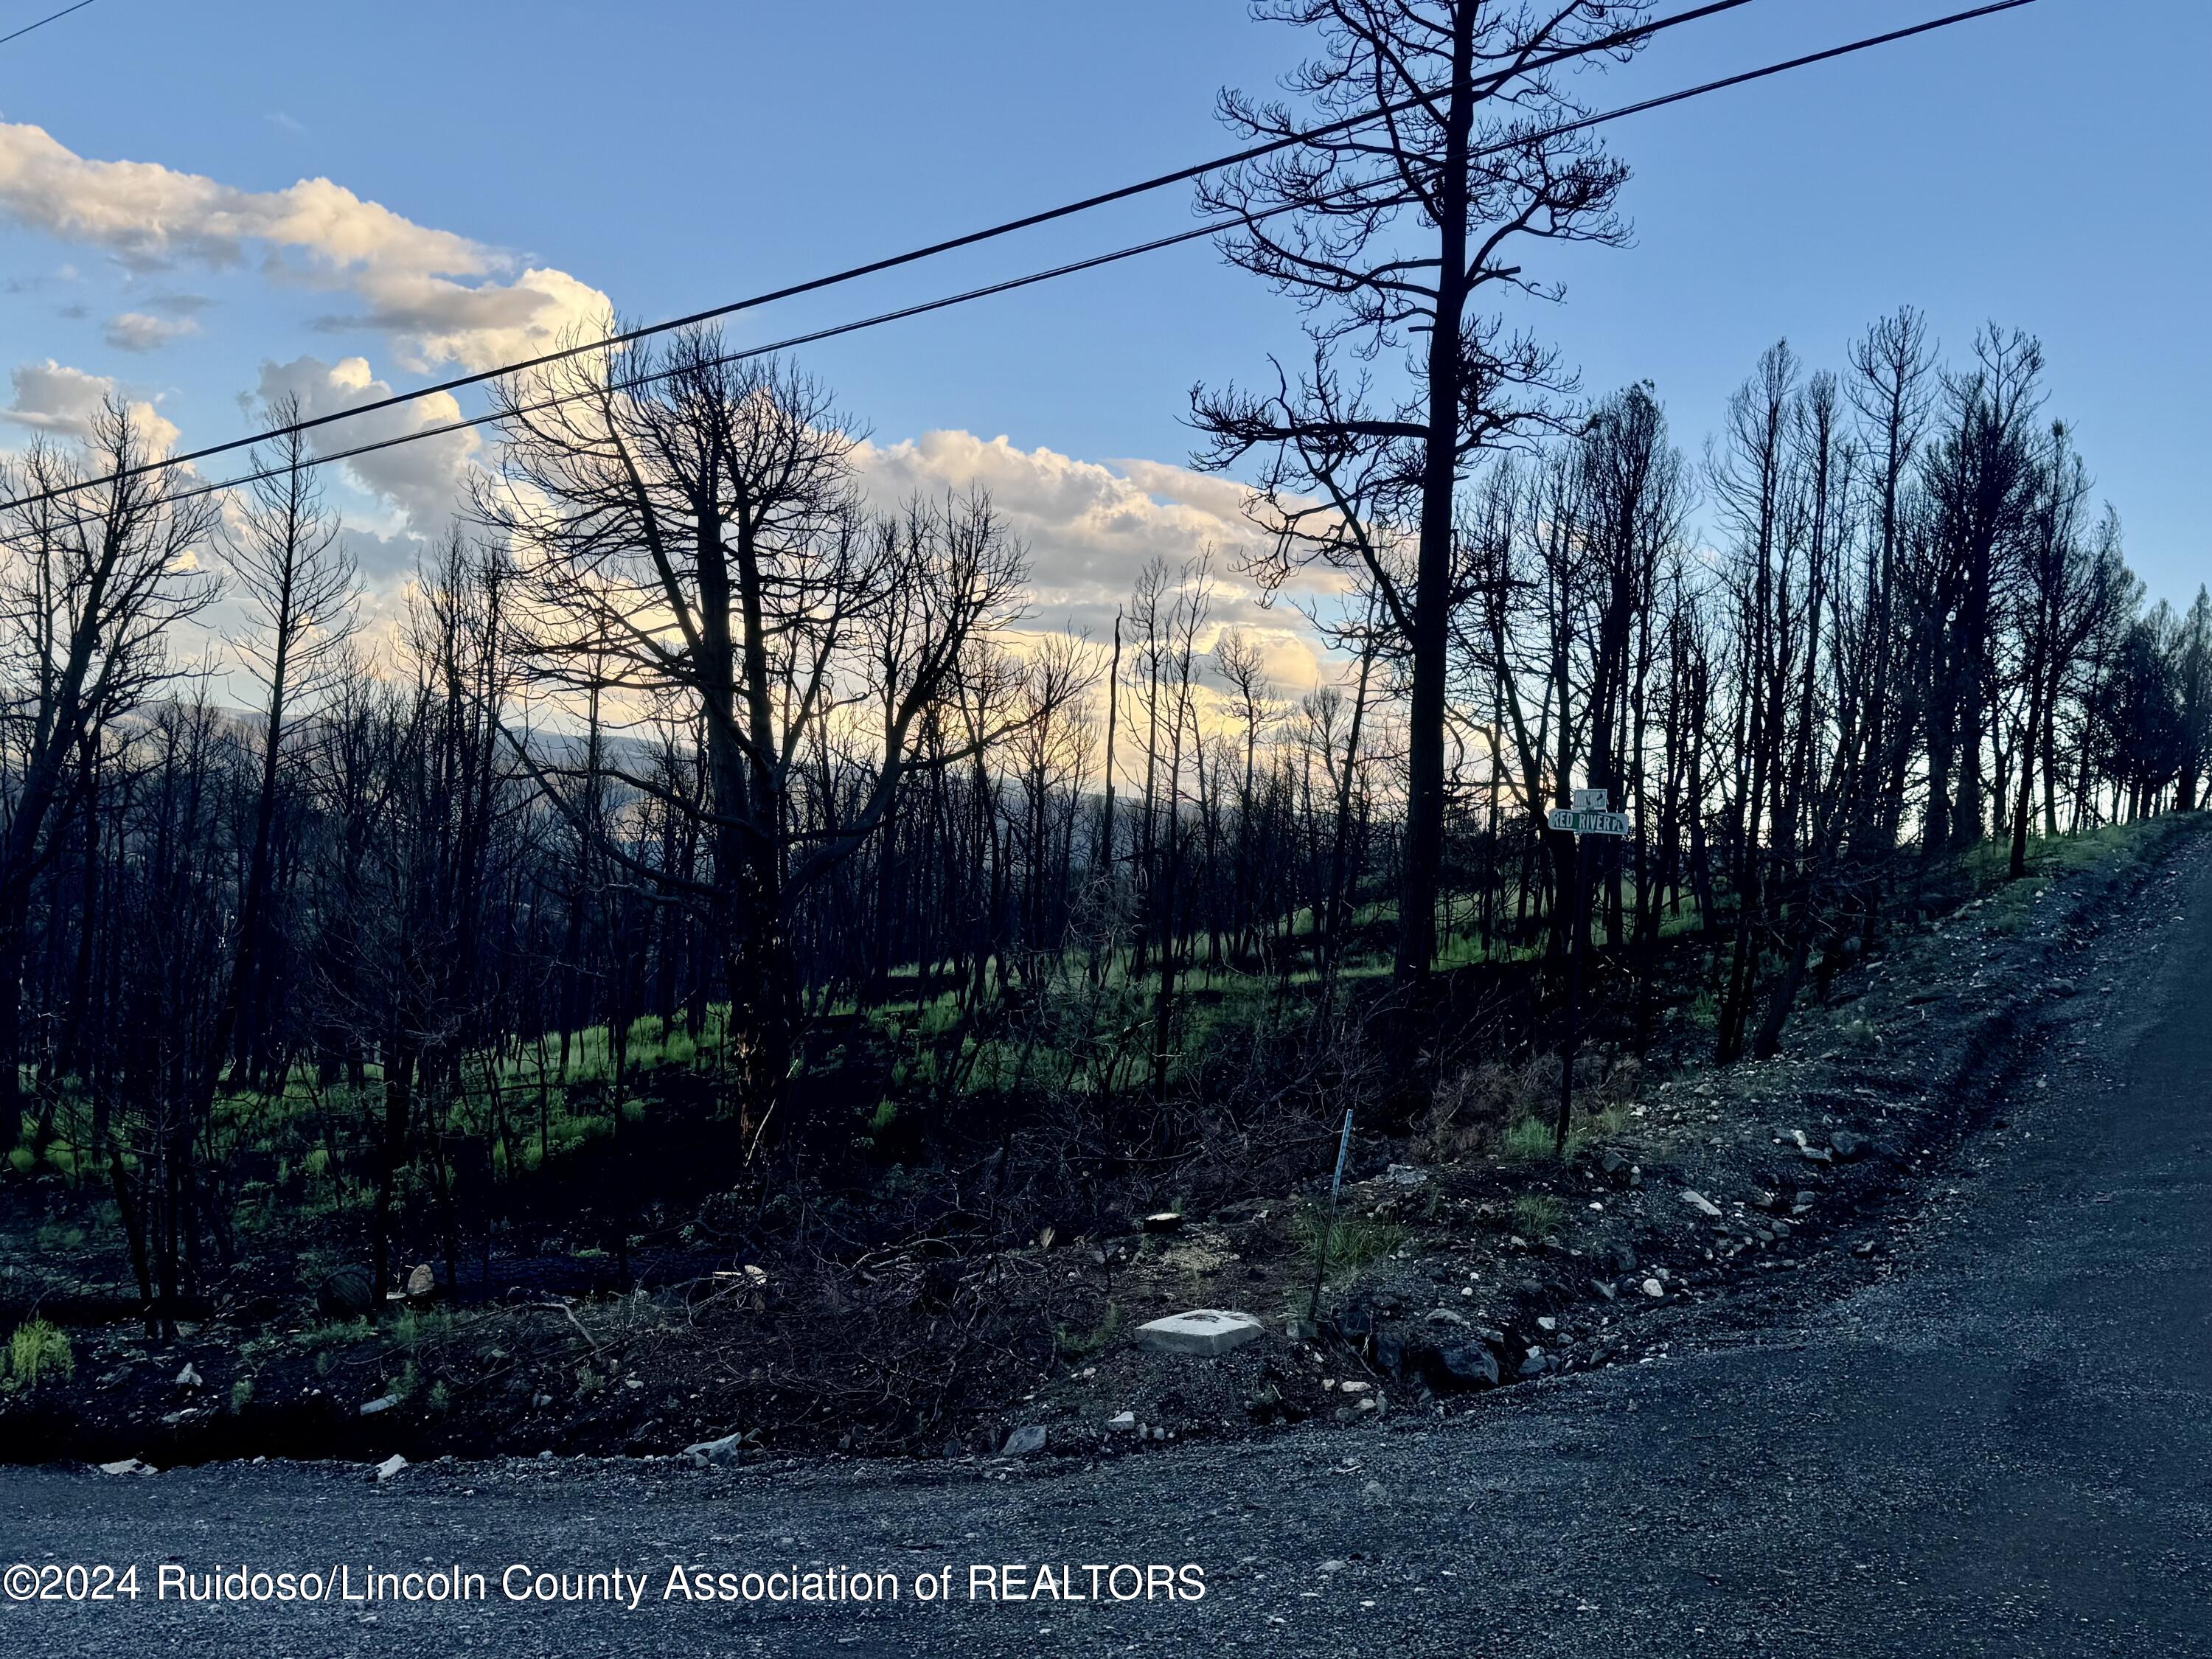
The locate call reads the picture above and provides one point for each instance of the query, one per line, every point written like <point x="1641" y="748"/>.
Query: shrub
<point x="1470" y="1109"/>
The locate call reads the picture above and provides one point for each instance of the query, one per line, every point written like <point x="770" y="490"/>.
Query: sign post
<point x="1328" y="1227"/>
<point x="1590" y="815"/>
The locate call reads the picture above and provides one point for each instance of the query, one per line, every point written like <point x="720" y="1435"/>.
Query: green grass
<point x="1354" y="1241"/>
<point x="1075" y="1346"/>
<point x="1537" y="1215"/>
<point x="338" y="1333"/>
<point x="1529" y="1140"/>
<point x="38" y="1353"/>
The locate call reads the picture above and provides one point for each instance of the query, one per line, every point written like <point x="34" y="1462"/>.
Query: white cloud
<point x="426" y="480"/>
<point x="134" y="331"/>
<point x="442" y="298"/>
<point x="438" y="320"/>
<point x="1091" y="527"/>
<point x="53" y="398"/>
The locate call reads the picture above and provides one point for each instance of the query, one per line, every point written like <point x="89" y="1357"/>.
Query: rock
<point x="2062" y="987"/>
<point x="1167" y="1221"/>
<point x="127" y="1466"/>
<point x="1122" y="1423"/>
<point x="1466" y="1365"/>
<point x="421" y="1282"/>
<point x="1327" y="1567"/>
<point x="1445" y="1316"/>
<point x="1029" y="1438"/>
<point x="724" y="1451"/>
<point x="540" y="1402"/>
<point x="1605" y="1288"/>
<point x="1406" y="1175"/>
<point x="1846" y="1145"/>
<point x="1201" y="1331"/>
<point x="188" y="1378"/>
<point x="1652" y="1287"/>
<point x="1391" y="1354"/>
<point x="381" y="1403"/>
<point x="345" y="1294"/>
<point x="1299" y="1330"/>
<point x="1536" y="1363"/>
<point x="1619" y="1259"/>
<point x="1612" y="1166"/>
<point x="1699" y="1202"/>
<point x="1816" y="1154"/>
<point x="390" y="1467"/>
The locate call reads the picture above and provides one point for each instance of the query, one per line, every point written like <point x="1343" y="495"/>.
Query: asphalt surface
<point x="2003" y="1446"/>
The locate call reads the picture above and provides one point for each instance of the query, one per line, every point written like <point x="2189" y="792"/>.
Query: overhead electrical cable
<point x="1212" y="228"/>
<point x="43" y="22"/>
<point x="891" y="262"/>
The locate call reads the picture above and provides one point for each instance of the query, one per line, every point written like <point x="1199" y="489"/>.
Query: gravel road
<point x="2002" y="1447"/>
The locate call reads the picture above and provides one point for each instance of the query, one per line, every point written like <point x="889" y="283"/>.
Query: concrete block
<point x="1201" y="1331"/>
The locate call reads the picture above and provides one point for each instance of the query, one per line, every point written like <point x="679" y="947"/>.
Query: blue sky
<point x="2045" y="169"/>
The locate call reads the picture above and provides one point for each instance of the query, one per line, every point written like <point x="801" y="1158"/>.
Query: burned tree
<point x="1392" y="235"/>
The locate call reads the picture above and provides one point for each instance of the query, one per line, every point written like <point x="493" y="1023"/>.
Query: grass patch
<point x="1530" y="1140"/>
<point x="39" y="1352"/>
<point x="1536" y="1214"/>
<point x="1352" y="1241"/>
<point x="1077" y="1346"/>
<point x="338" y="1333"/>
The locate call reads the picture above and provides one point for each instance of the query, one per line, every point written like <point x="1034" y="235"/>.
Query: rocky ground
<point x="1452" y="1277"/>
<point x="1721" y="1186"/>
<point x="1965" y="1411"/>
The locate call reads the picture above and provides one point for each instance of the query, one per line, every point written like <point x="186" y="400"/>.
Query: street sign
<point x="1588" y="824"/>
<point x="1593" y="800"/>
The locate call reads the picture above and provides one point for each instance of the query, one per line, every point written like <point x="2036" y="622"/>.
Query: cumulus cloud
<point x="1092" y="527"/>
<point x="442" y="297"/>
<point x="134" y="331"/>
<point x="53" y="398"/>
<point x="426" y="481"/>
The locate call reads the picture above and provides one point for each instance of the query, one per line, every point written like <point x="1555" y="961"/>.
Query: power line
<point x="853" y="273"/>
<point x="43" y="22"/>
<point x="1212" y="228"/>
